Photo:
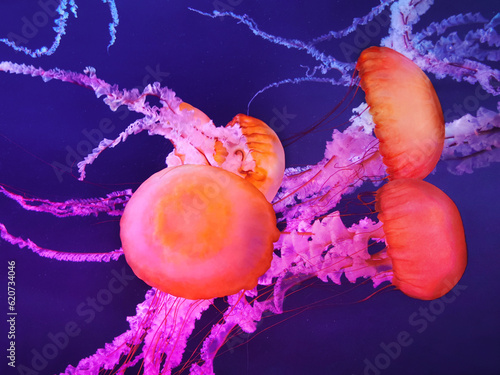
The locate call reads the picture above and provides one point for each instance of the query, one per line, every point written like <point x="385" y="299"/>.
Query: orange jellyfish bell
<point x="198" y="232"/>
<point x="257" y="155"/>
<point x="265" y="150"/>
<point x="199" y="115"/>
<point x="406" y="111"/>
<point x="424" y="235"/>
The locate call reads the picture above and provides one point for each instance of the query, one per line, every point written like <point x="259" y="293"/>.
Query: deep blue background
<point x="217" y="66"/>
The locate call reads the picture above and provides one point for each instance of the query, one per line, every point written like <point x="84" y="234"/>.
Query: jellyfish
<point x="425" y="237"/>
<point x="259" y="159"/>
<point x="315" y="240"/>
<point x="406" y="110"/>
<point x="265" y="149"/>
<point x="198" y="232"/>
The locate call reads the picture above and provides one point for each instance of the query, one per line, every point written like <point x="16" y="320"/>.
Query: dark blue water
<point x="217" y="66"/>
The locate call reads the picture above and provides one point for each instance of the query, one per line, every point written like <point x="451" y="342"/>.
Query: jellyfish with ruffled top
<point x="406" y="110"/>
<point x="424" y="235"/>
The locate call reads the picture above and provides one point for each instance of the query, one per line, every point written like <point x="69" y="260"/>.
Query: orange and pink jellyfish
<point x="206" y="226"/>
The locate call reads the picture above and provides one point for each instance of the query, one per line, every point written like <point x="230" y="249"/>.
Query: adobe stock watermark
<point x="365" y="36"/>
<point x="92" y="137"/>
<point x="470" y="104"/>
<point x="419" y="321"/>
<point x="281" y="119"/>
<point x="31" y="25"/>
<point x="243" y="338"/>
<point x="237" y="340"/>
<point x="86" y="312"/>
